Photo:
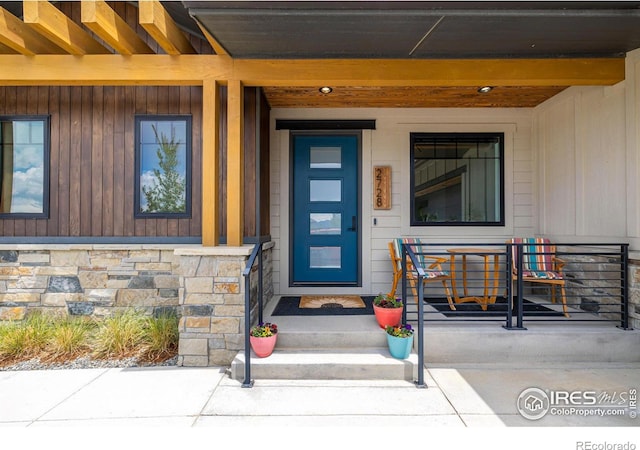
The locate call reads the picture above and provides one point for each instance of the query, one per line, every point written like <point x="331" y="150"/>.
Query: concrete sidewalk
<point x="176" y="397"/>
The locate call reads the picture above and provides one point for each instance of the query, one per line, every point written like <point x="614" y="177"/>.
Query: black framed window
<point x="24" y="166"/>
<point x="457" y="179"/>
<point x="163" y="166"/>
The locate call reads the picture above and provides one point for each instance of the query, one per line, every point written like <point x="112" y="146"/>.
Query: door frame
<point x="358" y="135"/>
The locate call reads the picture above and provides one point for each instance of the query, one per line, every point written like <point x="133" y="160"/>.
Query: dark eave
<point x="387" y="29"/>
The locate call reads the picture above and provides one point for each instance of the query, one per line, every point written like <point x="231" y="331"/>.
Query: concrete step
<point x="363" y="339"/>
<point x="539" y="343"/>
<point x="328" y="364"/>
<point x="360" y="352"/>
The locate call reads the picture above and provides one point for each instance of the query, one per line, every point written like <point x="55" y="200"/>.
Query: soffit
<point x="388" y="29"/>
<point x="418" y="30"/>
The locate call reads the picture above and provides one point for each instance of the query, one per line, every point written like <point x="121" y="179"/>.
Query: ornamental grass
<point x="126" y="334"/>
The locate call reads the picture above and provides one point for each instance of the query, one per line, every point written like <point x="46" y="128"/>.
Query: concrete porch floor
<point x="574" y="339"/>
<point x="354" y="347"/>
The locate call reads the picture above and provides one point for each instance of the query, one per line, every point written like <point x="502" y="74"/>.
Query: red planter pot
<point x="263" y="346"/>
<point x="387" y="316"/>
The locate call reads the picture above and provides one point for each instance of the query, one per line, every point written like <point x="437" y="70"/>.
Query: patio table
<point x="491" y="278"/>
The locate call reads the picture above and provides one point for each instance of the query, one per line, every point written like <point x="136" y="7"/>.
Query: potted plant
<point x="400" y="340"/>
<point x="262" y="338"/>
<point x="387" y="309"/>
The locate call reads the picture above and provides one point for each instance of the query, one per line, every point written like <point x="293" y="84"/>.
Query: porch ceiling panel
<point x="387" y="29"/>
<point x="410" y="97"/>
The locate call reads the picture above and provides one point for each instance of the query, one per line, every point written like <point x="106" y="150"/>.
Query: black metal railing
<point x="256" y="254"/>
<point x="486" y="282"/>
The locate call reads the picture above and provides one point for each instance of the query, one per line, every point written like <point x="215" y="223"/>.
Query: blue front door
<point x="325" y="214"/>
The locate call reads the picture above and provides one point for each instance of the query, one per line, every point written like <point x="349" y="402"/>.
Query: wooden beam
<point x="21" y="38"/>
<point x="441" y="72"/>
<point x="210" y="163"/>
<point x="113" y="70"/>
<point x="161" y="26"/>
<point x="98" y="16"/>
<point x="52" y="23"/>
<point x="235" y="163"/>
<point x="217" y="46"/>
<point x="192" y="69"/>
<point x="5" y="50"/>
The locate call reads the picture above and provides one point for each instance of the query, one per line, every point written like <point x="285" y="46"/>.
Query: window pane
<point x="325" y="257"/>
<point x="162" y="156"/>
<point x="321" y="223"/>
<point x="23" y="166"/>
<point x="325" y="157"/>
<point x="325" y="190"/>
<point x="457" y="179"/>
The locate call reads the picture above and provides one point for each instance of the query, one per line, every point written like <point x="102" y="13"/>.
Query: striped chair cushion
<point x="417" y="249"/>
<point x="542" y="275"/>
<point x="537" y="258"/>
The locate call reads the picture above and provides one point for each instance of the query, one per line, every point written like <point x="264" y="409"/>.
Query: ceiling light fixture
<point x="485" y="89"/>
<point x="325" y="90"/>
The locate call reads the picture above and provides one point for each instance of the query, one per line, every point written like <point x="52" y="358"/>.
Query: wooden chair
<point x="540" y="265"/>
<point x="432" y="266"/>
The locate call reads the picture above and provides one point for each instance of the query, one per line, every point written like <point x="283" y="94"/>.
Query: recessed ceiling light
<point x="326" y="90"/>
<point x="485" y="89"/>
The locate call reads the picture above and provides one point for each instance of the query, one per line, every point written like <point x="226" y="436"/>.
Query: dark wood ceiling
<point x="410" y="97"/>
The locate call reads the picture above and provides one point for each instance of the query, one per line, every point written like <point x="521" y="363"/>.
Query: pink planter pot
<point x="263" y="346"/>
<point x="387" y="316"/>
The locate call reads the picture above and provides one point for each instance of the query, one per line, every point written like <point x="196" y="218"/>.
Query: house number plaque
<point x="382" y="187"/>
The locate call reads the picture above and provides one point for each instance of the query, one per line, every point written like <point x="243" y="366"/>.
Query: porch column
<point x="235" y="163"/>
<point x="210" y="165"/>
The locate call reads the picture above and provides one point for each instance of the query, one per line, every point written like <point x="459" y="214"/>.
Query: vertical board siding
<point x="265" y="167"/>
<point x="43" y="107"/>
<point x="107" y="160"/>
<point x="128" y="166"/>
<point x="250" y="161"/>
<point x="92" y="159"/>
<point x="92" y="151"/>
<point x="85" y="161"/>
<point x="96" y="161"/>
<point x="62" y="189"/>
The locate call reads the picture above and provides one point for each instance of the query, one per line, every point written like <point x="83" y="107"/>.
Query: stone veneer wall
<point x="594" y="282"/>
<point x="212" y="323"/>
<point x="203" y="286"/>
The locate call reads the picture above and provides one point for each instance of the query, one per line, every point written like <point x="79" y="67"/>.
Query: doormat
<point x="331" y="301"/>
<point x="290" y="306"/>
<point x="498" y="309"/>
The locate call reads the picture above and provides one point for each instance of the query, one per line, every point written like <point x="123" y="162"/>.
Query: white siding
<point x="388" y="145"/>
<point x="572" y="171"/>
<point x="633" y="146"/>
<point x="586" y="162"/>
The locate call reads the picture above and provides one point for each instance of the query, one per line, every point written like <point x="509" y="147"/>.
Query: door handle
<point x="354" y="224"/>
